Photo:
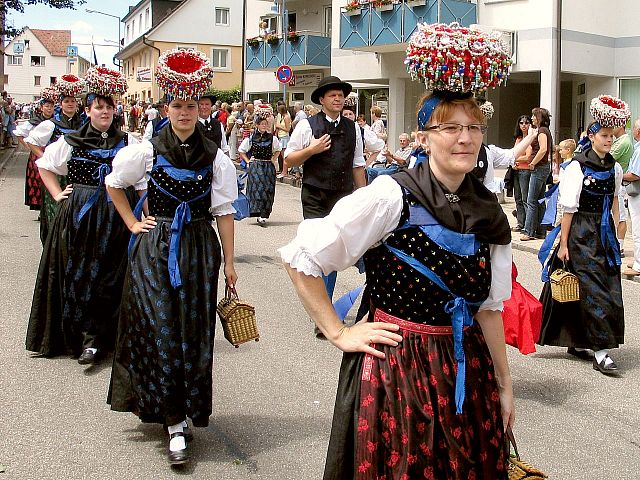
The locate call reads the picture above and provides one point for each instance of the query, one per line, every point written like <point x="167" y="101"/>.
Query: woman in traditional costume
<point x="65" y="121"/>
<point x="32" y="182"/>
<point x="79" y="284"/>
<point x="162" y="368"/>
<point x="424" y="389"/>
<point x="261" y="151"/>
<point x="588" y="246"/>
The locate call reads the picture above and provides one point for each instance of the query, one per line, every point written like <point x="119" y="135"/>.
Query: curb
<point x="4" y="159"/>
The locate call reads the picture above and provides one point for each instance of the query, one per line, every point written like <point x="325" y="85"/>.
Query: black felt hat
<point x="330" y="83"/>
<point x="210" y="96"/>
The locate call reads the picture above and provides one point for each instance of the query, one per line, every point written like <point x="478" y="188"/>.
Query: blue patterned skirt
<point x="162" y="369"/>
<point x="597" y="320"/>
<point x="80" y="277"/>
<point x="261" y="187"/>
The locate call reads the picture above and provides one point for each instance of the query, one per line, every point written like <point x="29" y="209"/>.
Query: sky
<point x="84" y="26"/>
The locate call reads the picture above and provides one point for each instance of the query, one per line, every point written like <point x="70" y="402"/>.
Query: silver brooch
<point x="452" y="197"/>
<point x="104" y="135"/>
<point x="184" y="145"/>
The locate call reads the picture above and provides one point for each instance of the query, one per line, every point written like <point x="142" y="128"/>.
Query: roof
<point x="55" y="41"/>
<point x="132" y="9"/>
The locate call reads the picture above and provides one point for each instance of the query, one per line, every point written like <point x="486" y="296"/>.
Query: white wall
<point x="614" y="19"/>
<point x="21" y="77"/>
<point x="194" y="23"/>
<point x="135" y="18"/>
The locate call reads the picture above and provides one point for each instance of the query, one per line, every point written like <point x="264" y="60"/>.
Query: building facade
<point x="154" y="26"/>
<point x="35" y="59"/>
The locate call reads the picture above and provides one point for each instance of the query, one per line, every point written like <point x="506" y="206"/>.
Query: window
<point x="272" y="24"/>
<point x="222" y="16"/>
<point x="128" y="33"/>
<point x="146" y="18"/>
<point x="220" y="58"/>
<point x="140" y="23"/>
<point x="14" y="59"/>
<point x="36" y="81"/>
<point x="186" y="47"/>
<point x="133" y="29"/>
<point x="37" y="61"/>
<point x="292" y="21"/>
<point x="52" y="80"/>
<point x="327" y="21"/>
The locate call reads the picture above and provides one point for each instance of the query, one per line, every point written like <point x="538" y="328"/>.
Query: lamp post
<point x="88" y="10"/>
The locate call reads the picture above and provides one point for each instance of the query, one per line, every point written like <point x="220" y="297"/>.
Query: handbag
<point x="241" y="204"/>
<point x="238" y="318"/>
<point x="565" y="286"/>
<point x="633" y="188"/>
<point x="522" y="317"/>
<point x="517" y="468"/>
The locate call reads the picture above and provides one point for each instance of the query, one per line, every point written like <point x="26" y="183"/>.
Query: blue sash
<point x="100" y="172"/>
<point x="182" y="214"/>
<point x="457" y="307"/>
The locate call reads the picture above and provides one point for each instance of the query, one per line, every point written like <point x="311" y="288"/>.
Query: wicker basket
<point x="564" y="286"/>
<point x="238" y="318"/>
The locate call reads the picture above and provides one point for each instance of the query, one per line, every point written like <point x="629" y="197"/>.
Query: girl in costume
<point x="33" y="183"/>
<point x="79" y="283"/>
<point x="65" y="121"/>
<point x="588" y="246"/>
<point x="162" y="369"/>
<point x="424" y="389"/>
<point x="264" y="149"/>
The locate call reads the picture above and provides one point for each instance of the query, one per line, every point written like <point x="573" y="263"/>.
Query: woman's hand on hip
<point x="64" y="194"/>
<point x="144" y="226"/>
<point x="363" y="335"/>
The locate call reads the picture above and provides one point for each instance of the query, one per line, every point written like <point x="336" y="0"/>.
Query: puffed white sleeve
<point x="618" y="178"/>
<point x="148" y="131"/>
<point x="358" y="153"/>
<point x="245" y="146"/>
<point x="131" y="166"/>
<point x="22" y="129"/>
<point x="570" y="187"/>
<point x="372" y="143"/>
<point x="55" y="157"/>
<point x="276" y="145"/>
<point x="224" y="145"/>
<point x="500" y="157"/>
<point x="356" y="223"/>
<point x="41" y="134"/>
<point x="134" y="138"/>
<point x="501" y="258"/>
<point x="224" y="186"/>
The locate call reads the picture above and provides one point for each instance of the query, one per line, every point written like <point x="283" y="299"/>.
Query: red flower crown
<point x="69" y="85"/>
<point x="610" y="111"/>
<point x="105" y="81"/>
<point x="184" y="73"/>
<point x="49" y="93"/>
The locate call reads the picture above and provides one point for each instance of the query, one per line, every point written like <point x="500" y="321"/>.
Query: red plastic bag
<point x="522" y="317"/>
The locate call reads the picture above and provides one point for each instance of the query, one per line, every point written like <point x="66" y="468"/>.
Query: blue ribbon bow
<point x="99" y="174"/>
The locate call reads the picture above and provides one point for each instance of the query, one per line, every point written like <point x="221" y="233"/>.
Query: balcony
<point x="308" y="52"/>
<point x="389" y="28"/>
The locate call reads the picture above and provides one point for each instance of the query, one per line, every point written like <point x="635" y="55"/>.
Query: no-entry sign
<point x="284" y="74"/>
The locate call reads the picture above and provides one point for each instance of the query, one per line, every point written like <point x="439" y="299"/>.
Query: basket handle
<point x="511" y="440"/>
<point x="230" y="292"/>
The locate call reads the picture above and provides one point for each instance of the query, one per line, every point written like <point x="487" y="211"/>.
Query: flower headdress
<point x="69" y="85"/>
<point x="262" y="111"/>
<point x="184" y="74"/>
<point x="351" y="101"/>
<point x="49" y="94"/>
<point x="457" y="59"/>
<point x="105" y="81"/>
<point x="487" y="110"/>
<point x="609" y="111"/>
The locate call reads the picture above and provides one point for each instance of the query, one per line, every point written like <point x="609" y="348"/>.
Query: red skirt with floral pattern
<point x="404" y="418"/>
<point x="32" y="185"/>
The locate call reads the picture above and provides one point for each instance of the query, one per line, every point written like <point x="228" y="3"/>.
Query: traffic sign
<point x="72" y="51"/>
<point x="284" y="74"/>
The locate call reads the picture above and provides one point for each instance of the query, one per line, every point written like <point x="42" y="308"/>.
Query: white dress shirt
<point x="132" y="167"/>
<point x="302" y="135"/>
<point x="361" y="221"/>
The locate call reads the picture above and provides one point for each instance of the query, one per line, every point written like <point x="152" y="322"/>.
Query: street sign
<point x="284" y="74"/>
<point x="18" y="47"/>
<point x="72" y="51"/>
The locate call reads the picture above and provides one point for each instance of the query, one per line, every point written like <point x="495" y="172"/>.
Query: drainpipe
<point x="144" y="40"/>
<point x="558" y="67"/>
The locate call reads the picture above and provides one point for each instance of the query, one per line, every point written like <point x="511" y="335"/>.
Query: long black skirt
<point x="80" y="277"/>
<point x="49" y="209"/>
<point x="597" y="320"/>
<point x="261" y="187"/>
<point x="162" y="368"/>
<point x="396" y="418"/>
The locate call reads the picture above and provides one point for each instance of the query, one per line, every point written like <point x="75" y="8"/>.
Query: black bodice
<point x="162" y="205"/>
<point x="594" y="193"/>
<point x="82" y="167"/>
<point x="401" y="291"/>
<point x="262" y="146"/>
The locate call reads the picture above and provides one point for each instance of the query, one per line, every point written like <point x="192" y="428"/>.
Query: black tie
<point x="335" y="124"/>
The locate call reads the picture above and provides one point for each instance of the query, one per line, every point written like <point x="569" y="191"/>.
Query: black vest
<point x="212" y="130"/>
<point x="480" y="171"/>
<point x="333" y="169"/>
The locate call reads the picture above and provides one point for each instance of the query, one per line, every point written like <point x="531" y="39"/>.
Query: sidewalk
<point x="531" y="246"/>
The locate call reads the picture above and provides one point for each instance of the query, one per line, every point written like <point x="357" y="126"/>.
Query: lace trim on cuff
<point x="301" y="260"/>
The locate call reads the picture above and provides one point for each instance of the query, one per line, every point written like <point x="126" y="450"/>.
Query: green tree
<point x="6" y="6"/>
<point x="228" y="96"/>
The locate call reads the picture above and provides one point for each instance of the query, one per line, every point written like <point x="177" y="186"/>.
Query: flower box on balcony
<point x="383" y="5"/>
<point x="273" y="39"/>
<point x="353" y="13"/>
<point x="293" y="37"/>
<point x="416" y="3"/>
<point x="253" y="42"/>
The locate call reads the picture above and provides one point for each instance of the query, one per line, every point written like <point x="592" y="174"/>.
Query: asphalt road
<point x="273" y="399"/>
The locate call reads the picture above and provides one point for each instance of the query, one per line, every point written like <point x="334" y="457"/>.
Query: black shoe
<point x="581" y="354"/>
<point x="179" y="457"/>
<point x="603" y="367"/>
<point x="87" y="357"/>
<point x="188" y="434"/>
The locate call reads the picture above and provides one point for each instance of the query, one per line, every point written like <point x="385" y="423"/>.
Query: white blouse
<point x="361" y="221"/>
<point x="57" y="155"/>
<point x="133" y="164"/>
<point x="41" y="134"/>
<point x="245" y="146"/>
<point x="570" y="185"/>
<point x="22" y="129"/>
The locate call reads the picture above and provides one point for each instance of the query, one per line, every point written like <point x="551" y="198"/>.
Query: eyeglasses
<point x="456" y="128"/>
<point x="525" y="123"/>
